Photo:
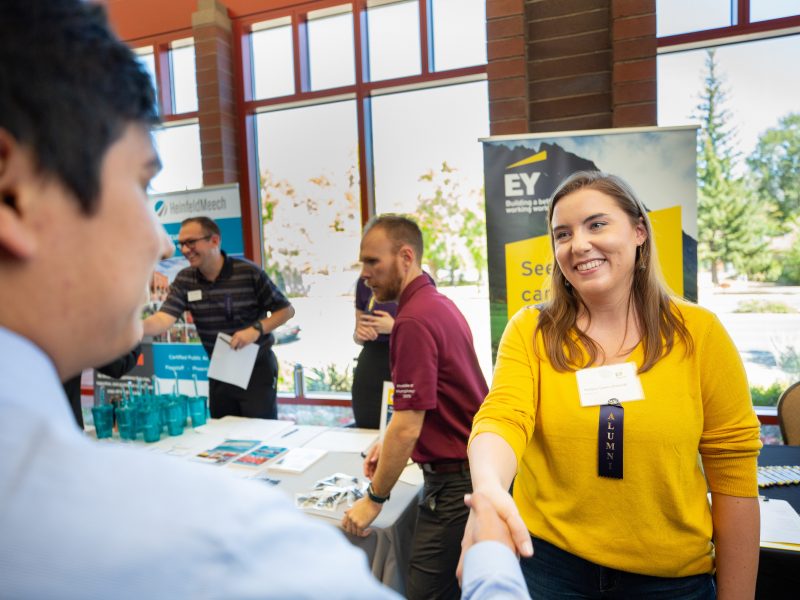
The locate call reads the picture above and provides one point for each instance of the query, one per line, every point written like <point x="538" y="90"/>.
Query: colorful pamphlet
<point x="258" y="457"/>
<point x="226" y="451"/>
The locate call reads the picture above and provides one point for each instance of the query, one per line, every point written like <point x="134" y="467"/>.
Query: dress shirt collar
<point x="225" y="272"/>
<point x="30" y="379"/>
<point x="417" y="284"/>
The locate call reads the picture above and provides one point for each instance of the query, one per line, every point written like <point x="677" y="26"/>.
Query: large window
<point x="428" y="164"/>
<point x="178" y="148"/>
<point x="312" y="228"/>
<point x="171" y="65"/>
<point x="745" y="100"/>
<point x="382" y="101"/>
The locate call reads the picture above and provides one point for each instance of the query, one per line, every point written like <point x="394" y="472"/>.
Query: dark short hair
<point x="208" y="225"/>
<point x="68" y="88"/>
<point x="400" y="230"/>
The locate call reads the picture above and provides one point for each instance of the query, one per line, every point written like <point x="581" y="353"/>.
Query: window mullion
<point x="164" y="78"/>
<point x="742" y="12"/>
<point x="426" y="36"/>
<point x="302" y="81"/>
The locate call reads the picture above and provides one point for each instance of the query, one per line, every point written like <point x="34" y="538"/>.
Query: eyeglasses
<point x="191" y="243"/>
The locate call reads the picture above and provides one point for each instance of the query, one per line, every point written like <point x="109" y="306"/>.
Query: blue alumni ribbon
<point x="609" y="440"/>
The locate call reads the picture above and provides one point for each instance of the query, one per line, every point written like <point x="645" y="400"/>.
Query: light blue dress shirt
<point x="80" y="519"/>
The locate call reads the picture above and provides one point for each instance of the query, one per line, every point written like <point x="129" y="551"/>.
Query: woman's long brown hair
<point x="658" y="317"/>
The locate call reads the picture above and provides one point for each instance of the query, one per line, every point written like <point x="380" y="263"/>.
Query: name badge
<point x="195" y="295"/>
<point x="597" y="385"/>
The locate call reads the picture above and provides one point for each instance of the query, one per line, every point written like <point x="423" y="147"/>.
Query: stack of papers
<point x="258" y="457"/>
<point x="780" y="525"/>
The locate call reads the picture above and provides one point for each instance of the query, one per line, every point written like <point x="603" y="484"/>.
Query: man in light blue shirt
<point x="78" y="243"/>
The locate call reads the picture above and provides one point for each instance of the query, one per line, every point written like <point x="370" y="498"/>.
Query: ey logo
<point x="523" y="184"/>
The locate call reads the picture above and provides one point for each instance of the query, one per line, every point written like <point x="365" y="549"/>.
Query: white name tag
<point x="195" y="295"/>
<point x="598" y="385"/>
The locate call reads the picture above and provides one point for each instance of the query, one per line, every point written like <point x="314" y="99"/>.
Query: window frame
<point x="743" y="30"/>
<point x="161" y="46"/>
<point x="362" y="91"/>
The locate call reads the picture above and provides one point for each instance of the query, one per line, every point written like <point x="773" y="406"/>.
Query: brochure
<point x="298" y="460"/>
<point x="226" y="451"/>
<point x="258" y="457"/>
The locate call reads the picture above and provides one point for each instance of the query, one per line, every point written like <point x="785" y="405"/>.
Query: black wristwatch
<point x="374" y="497"/>
<point x="258" y="326"/>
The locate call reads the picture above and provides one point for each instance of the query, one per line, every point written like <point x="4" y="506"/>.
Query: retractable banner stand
<point x="178" y="354"/>
<point x="522" y="172"/>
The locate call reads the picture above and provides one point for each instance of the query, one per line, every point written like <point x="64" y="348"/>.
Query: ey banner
<point x="522" y="172"/>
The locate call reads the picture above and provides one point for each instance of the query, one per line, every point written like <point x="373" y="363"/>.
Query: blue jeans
<point x="554" y="573"/>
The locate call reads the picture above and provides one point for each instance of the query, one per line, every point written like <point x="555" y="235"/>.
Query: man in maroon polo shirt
<point x="438" y="388"/>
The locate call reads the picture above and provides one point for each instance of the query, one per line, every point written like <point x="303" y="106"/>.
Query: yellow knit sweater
<point x="656" y="520"/>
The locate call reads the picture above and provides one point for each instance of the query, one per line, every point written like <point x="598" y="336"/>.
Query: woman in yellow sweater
<point x="617" y="408"/>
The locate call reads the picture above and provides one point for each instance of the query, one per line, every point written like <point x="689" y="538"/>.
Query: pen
<point x="290" y="432"/>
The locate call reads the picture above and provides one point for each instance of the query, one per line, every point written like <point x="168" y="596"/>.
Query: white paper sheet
<point x="295" y="436"/>
<point x="779" y="522"/>
<point x="232" y="366"/>
<point x="345" y="440"/>
<point x="297" y="460"/>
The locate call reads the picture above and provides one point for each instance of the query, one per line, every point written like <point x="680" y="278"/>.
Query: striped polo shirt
<point x="241" y="295"/>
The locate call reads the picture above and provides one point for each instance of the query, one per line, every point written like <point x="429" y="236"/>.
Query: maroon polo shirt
<point x="435" y="369"/>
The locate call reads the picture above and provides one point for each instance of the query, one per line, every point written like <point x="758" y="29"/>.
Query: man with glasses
<point x="232" y="296"/>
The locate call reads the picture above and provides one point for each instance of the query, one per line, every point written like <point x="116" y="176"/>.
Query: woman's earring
<point x="640" y="261"/>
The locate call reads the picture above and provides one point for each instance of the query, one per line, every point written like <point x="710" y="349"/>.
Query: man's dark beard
<point x="391" y="291"/>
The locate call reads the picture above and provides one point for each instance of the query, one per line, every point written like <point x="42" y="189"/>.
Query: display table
<point x="387" y="546"/>
<point x="779" y="570"/>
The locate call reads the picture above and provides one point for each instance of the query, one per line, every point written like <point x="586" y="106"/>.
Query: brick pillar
<point x="505" y="49"/>
<point x="635" y="92"/>
<point x="215" y="91"/>
<point x="569" y="64"/>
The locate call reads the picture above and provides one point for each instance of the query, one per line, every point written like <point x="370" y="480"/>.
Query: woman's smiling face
<point x="595" y="244"/>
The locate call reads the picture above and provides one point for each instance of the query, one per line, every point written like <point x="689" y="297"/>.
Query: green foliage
<point x="731" y="224"/>
<point x="453" y="225"/>
<point x="775" y="166"/>
<point x="790" y="267"/>
<point x="329" y="379"/>
<point x="767" y="396"/>
<point x="764" y="306"/>
<point x="789" y="361"/>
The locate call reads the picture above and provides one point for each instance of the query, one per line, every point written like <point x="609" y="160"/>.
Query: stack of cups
<point x="197" y="407"/>
<point x="103" y="415"/>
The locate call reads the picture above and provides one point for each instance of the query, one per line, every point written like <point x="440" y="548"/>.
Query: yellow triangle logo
<point x="538" y="157"/>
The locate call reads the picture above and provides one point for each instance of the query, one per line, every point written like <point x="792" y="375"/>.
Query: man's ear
<point x="406" y="253"/>
<point x="16" y="168"/>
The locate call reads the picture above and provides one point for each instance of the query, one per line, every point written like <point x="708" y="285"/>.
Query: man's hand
<point x="380" y="320"/>
<point x="244" y="337"/>
<point x="360" y="516"/>
<point x="371" y="460"/>
<point x="499" y="504"/>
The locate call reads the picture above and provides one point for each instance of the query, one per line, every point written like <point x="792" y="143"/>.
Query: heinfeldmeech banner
<point x="178" y="355"/>
<point x="522" y="172"/>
